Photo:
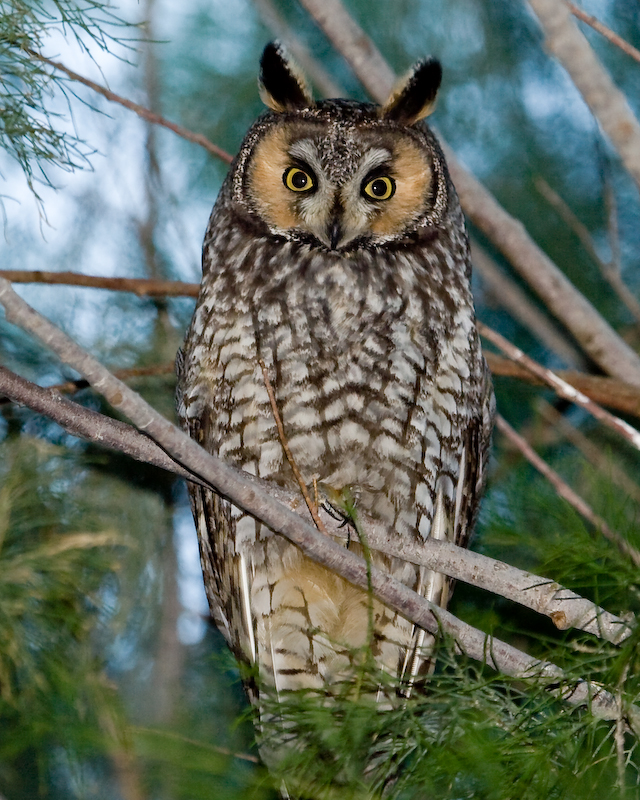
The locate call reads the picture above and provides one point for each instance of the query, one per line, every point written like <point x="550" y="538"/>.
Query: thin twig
<point x="563" y="300"/>
<point x="141" y="111"/>
<point x="565" y="491"/>
<point x="542" y="595"/>
<point x="591" y="451"/>
<point x="322" y="549"/>
<point x="614" y="38"/>
<point x="212" y="748"/>
<point x="565" y="40"/>
<point x="143" y="287"/>
<point x="561" y="387"/>
<point x="313" y="508"/>
<point x="610" y="271"/>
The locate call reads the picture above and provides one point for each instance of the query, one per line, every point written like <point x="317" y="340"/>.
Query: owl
<point x="336" y="255"/>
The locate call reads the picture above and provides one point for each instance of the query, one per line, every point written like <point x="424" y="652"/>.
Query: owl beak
<point x="335" y="234"/>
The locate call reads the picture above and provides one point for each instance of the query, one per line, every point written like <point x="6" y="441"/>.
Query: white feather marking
<point x="459" y="490"/>
<point x="246" y="606"/>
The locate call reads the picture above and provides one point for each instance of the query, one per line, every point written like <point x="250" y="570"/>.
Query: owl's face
<point x="341" y="174"/>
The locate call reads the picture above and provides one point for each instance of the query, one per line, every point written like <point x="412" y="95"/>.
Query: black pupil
<point x="299" y="180"/>
<point x="379" y="188"/>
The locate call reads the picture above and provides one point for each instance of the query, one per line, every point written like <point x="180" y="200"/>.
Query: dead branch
<point x="565" y="491"/>
<point x="608" y="104"/>
<point x="143" y="287"/>
<point x="141" y="111"/>
<point x="562" y="606"/>
<point x="595" y="23"/>
<point x="265" y="508"/>
<point x="606" y="391"/>
<point x="561" y="387"/>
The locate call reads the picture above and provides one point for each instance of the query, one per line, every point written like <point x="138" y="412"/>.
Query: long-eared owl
<point x="336" y="254"/>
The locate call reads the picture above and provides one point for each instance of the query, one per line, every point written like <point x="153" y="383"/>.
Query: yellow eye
<point x="298" y="180"/>
<point x="379" y="188"/>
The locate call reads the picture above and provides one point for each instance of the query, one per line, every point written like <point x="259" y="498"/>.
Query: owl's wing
<point x="453" y="521"/>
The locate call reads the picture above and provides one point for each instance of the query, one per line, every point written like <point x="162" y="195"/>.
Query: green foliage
<point x="31" y="129"/>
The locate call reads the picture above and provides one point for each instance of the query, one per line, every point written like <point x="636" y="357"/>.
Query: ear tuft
<point x="282" y="85"/>
<point x="414" y="96"/>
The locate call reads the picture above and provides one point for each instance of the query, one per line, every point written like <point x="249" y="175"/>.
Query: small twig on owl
<point x="564" y="301"/>
<point x="567" y="43"/>
<point x="613" y="37"/>
<point x="565" y="491"/>
<point x="322" y="549"/>
<point x="561" y="387"/>
<point x="565" y="608"/>
<point x="313" y="508"/>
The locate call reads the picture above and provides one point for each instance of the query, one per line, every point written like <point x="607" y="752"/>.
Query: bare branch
<point x="143" y="287"/>
<point x="608" y="104"/>
<point x="87" y="424"/>
<point x="141" y="111"/>
<point x="606" y="391"/>
<point x="561" y="387"/>
<point x="510" y="296"/>
<point x="565" y="491"/>
<point x="564" y="301"/>
<point x="265" y="508"/>
<point x="595" y="23"/>
<point x="562" y="606"/>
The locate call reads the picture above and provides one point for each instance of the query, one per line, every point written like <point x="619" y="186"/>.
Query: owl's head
<point x="337" y="173"/>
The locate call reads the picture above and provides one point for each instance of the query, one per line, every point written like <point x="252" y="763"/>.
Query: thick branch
<point x="607" y="103"/>
<point x="588" y="327"/>
<point x="262" y="506"/>
<point x="562" y="606"/>
<point x="506" y="292"/>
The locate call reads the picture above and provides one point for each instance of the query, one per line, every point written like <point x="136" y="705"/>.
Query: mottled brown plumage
<point x="336" y="253"/>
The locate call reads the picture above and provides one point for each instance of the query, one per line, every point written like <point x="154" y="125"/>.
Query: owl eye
<point x="379" y="188"/>
<point x="298" y="180"/>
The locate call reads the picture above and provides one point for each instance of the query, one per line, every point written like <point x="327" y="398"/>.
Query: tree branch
<point x="606" y="391"/>
<point x="561" y="387"/>
<point x="141" y="111"/>
<point x="564" y="301"/>
<point x="143" y="287"/>
<point x="595" y="23"/>
<point x="506" y="292"/>
<point x="608" y="104"/>
<point x="262" y="506"/>
<point x="562" y="606"/>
